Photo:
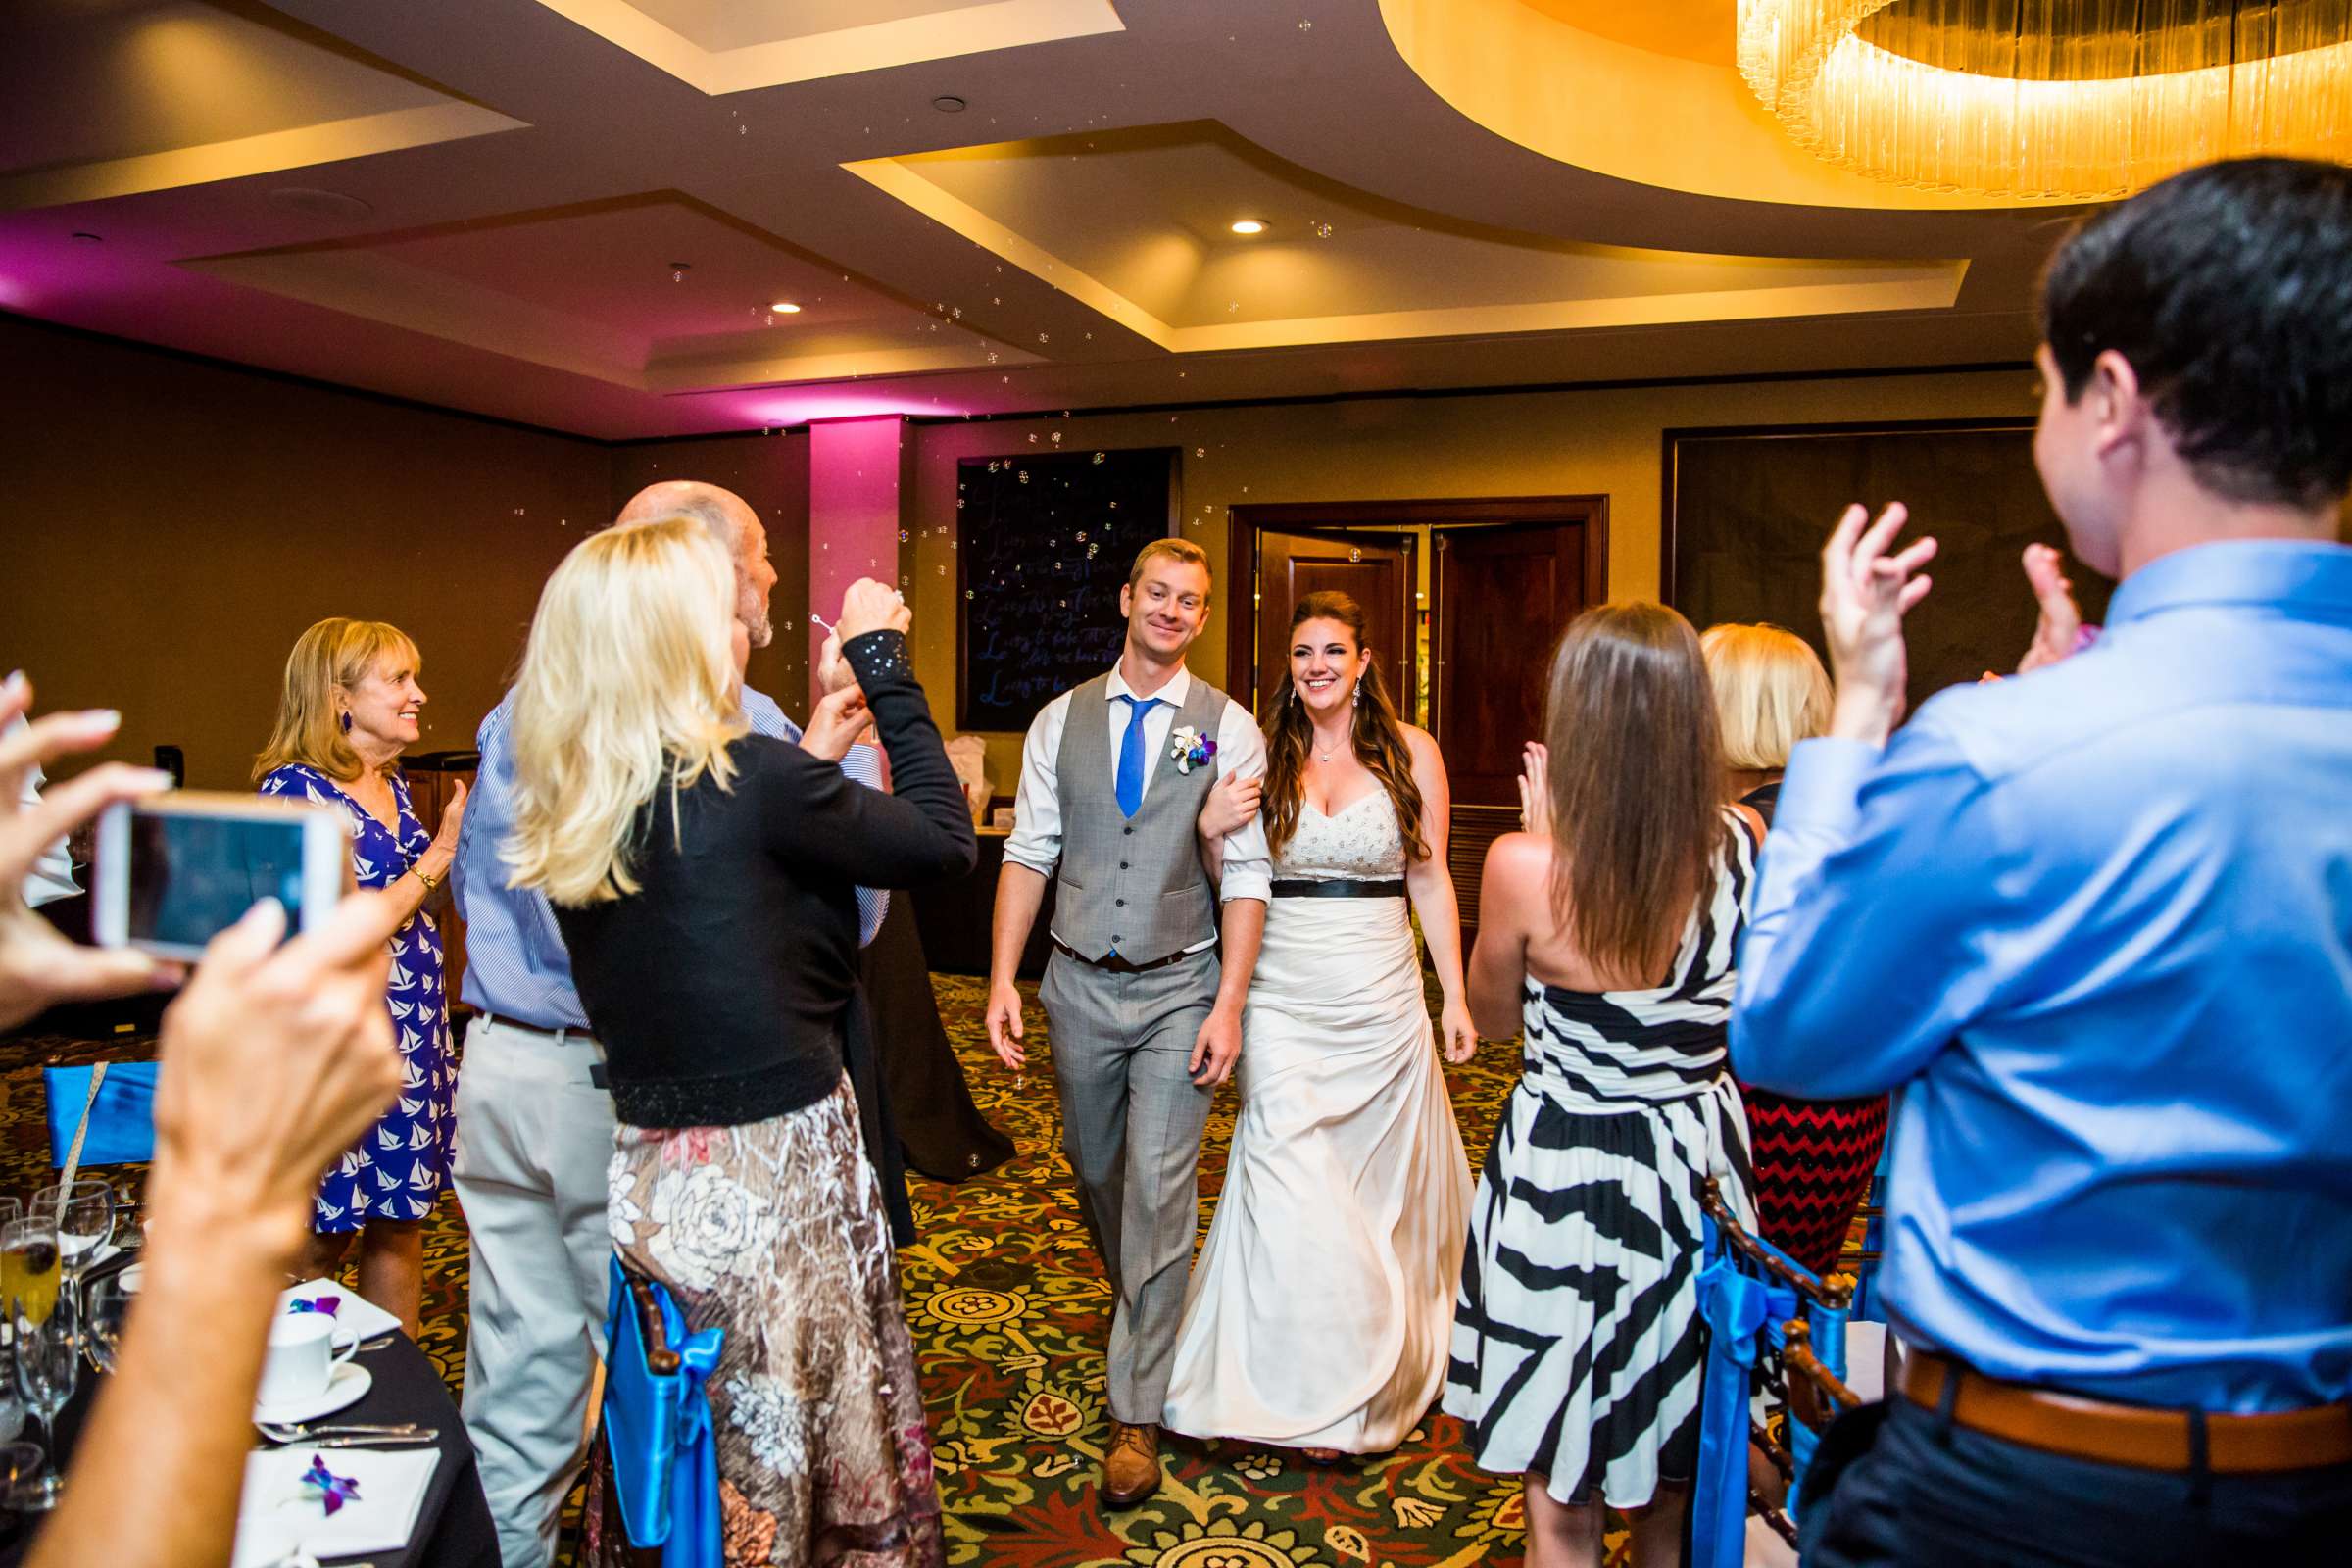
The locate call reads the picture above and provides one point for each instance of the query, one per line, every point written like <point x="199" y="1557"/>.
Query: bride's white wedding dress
<point x="1320" y="1311"/>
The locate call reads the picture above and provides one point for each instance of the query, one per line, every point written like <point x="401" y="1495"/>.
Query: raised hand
<point x="2061" y="621"/>
<point x="840" y="717"/>
<point x="275" y="1058"/>
<point x="1004" y="1025"/>
<point x="1232" y="802"/>
<point x="452" y="823"/>
<point x="39" y="967"/>
<point x="868" y="606"/>
<point x="1535" y="789"/>
<point x="1865" y="593"/>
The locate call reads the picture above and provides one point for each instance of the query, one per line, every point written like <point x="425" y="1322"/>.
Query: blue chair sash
<point x="657" y="1431"/>
<point x="121" y="1123"/>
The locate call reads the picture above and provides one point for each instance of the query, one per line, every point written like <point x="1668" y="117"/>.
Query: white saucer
<point x="349" y="1385"/>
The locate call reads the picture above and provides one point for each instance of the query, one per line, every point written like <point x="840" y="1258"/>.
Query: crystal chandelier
<point x="2082" y="99"/>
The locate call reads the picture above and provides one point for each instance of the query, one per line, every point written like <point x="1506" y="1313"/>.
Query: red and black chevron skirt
<point x="1813" y="1161"/>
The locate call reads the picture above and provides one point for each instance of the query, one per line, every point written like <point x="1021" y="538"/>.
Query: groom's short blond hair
<point x="1183" y="549"/>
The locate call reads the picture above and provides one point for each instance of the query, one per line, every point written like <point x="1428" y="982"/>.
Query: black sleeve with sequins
<point x="922" y="831"/>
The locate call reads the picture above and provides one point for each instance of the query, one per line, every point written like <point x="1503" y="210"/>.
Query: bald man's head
<point x="731" y="521"/>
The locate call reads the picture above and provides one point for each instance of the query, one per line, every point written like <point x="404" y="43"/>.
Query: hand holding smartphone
<point x="176" y="870"/>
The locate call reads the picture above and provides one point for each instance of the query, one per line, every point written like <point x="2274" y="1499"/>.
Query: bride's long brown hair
<point x="1637" y="785"/>
<point x="1378" y="737"/>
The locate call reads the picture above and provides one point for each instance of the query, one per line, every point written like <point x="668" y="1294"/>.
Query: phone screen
<point x="193" y="876"/>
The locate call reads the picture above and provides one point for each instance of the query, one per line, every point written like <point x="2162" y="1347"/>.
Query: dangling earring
<point x="346" y="722"/>
<point x="1359" y="691"/>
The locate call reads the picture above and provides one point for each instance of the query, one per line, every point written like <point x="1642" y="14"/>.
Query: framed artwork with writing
<point x="1044" y="543"/>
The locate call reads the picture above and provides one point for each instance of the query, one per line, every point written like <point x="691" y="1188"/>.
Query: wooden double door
<point x="1505" y="578"/>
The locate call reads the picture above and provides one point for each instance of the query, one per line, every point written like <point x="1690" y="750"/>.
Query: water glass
<point x="85" y="1216"/>
<point x="21" y="1464"/>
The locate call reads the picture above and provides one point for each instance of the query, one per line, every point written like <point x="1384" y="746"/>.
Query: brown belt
<point x="2131" y="1435"/>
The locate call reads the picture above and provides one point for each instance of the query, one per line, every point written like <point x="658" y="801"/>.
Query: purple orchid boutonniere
<point x="333" y="1490"/>
<point x="1190" y="749"/>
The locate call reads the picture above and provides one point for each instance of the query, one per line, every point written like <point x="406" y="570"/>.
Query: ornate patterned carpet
<point x="1009" y="1312"/>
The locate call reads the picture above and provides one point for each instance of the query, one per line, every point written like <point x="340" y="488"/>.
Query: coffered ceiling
<point x="578" y="213"/>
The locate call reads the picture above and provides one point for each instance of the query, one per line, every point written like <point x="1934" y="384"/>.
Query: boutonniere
<point x="1189" y="748"/>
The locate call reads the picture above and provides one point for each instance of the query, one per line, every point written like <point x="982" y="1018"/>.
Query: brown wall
<point x="171" y="528"/>
<point x="167" y="527"/>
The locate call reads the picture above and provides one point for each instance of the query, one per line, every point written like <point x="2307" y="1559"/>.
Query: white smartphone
<point x="176" y="870"/>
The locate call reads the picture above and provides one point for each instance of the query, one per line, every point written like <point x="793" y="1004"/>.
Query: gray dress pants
<point x="535" y="1151"/>
<point x="1131" y="1119"/>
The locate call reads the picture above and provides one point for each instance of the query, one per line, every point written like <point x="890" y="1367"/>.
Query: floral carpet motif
<point x="1009" y="1312"/>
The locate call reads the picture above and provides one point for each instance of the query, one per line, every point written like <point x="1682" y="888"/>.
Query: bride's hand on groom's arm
<point x="1232" y="802"/>
<point x="1460" y="1036"/>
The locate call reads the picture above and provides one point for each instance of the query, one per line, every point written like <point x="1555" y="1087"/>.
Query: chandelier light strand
<point x="2070" y="99"/>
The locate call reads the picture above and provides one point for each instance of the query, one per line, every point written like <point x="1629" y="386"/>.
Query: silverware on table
<point x="298" y="1431"/>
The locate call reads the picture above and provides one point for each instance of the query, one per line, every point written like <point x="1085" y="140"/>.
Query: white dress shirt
<point x="1036" y="840"/>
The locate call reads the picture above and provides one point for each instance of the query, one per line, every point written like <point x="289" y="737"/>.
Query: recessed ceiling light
<point x="785" y="308"/>
<point x="947" y="104"/>
<point x="1248" y="225"/>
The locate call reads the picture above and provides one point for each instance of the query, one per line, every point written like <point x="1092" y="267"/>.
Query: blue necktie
<point x="1131" y="753"/>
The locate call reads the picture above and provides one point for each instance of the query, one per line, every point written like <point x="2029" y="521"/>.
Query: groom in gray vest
<point x="1145" y="1022"/>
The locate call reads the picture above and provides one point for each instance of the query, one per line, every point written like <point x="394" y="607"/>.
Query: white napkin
<point x="357" y="1314"/>
<point x="277" y="1513"/>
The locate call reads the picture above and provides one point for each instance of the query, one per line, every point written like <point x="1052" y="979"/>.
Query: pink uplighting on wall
<point x="853" y="474"/>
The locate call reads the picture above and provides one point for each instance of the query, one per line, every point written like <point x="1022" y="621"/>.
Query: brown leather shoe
<point x="1131" y="1469"/>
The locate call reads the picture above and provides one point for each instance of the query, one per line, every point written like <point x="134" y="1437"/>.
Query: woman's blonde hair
<point x="333" y="656"/>
<point x="628" y="683"/>
<point x="1770" y="693"/>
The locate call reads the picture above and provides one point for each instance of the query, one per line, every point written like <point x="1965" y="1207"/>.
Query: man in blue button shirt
<point x="2095" y="923"/>
<point x="534" y="1124"/>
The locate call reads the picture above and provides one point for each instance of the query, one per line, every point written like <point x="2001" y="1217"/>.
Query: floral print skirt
<point x="775" y="1232"/>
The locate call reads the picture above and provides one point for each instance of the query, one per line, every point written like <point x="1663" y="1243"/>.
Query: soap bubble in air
<point x="1098" y="457"/>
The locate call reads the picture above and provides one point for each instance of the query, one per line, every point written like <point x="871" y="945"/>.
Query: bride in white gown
<point x="1319" y="1315"/>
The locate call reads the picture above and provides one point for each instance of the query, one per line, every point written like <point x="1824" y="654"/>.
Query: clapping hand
<point x="1865" y="593"/>
<point x="39" y="967"/>
<point x="1535" y="789"/>
<point x="1232" y="802"/>
<point x="2061" y="621"/>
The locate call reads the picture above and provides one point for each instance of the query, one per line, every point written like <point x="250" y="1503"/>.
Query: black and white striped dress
<point x="1577" y="1347"/>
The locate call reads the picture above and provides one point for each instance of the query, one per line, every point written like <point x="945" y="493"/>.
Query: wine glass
<point x="105" y="1312"/>
<point x="84" y="1213"/>
<point x="46" y="1348"/>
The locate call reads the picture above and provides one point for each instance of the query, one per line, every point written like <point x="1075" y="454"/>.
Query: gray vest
<point x="1135" y="885"/>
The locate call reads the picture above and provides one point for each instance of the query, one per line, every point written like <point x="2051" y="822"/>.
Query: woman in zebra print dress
<point x="1607" y="933"/>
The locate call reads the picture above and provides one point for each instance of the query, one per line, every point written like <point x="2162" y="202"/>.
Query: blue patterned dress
<point x="396" y="1170"/>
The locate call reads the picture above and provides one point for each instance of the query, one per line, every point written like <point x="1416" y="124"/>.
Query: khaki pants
<point x="534" y="1145"/>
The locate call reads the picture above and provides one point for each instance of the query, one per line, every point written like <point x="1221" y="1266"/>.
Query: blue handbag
<point x="122" y="1124"/>
<point x="657" y="1426"/>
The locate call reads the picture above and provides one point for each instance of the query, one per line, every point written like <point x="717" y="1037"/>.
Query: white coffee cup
<point x="305" y="1348"/>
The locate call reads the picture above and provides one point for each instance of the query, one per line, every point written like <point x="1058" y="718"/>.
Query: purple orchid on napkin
<point x="333" y="1490"/>
<point x="326" y="1305"/>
